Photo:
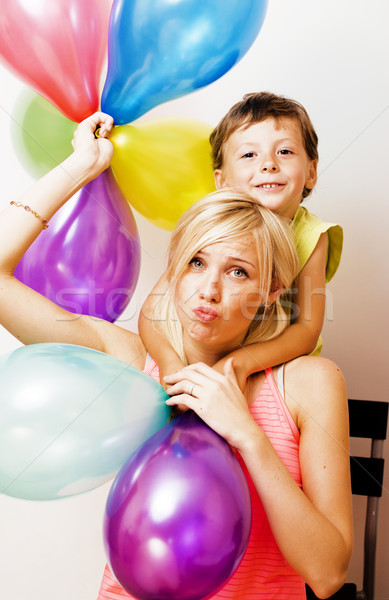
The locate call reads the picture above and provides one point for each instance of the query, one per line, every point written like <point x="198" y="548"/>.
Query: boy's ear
<point x="312" y="175"/>
<point x="220" y="181"/>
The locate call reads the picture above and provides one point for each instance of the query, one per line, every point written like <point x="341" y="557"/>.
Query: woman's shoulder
<point x="305" y="377"/>
<point x="303" y="371"/>
<point x="312" y="366"/>
<point x="315" y="385"/>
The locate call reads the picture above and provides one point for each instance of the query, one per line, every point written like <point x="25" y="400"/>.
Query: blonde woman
<point x="229" y="261"/>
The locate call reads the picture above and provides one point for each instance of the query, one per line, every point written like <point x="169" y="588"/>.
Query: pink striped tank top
<point x="263" y="572"/>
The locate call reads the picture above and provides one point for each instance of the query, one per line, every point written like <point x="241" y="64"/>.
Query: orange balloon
<point x="163" y="166"/>
<point x="57" y="47"/>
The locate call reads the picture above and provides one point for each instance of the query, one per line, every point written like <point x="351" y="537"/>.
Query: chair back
<point x="368" y="419"/>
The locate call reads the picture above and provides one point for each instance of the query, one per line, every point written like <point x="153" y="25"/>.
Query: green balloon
<point x="70" y="417"/>
<point x="41" y="134"/>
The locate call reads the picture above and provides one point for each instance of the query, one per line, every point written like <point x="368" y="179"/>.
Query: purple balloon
<point x="178" y="515"/>
<point x="88" y="260"/>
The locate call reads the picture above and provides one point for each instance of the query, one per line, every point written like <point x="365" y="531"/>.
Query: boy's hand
<point x="240" y="368"/>
<point x="172" y="366"/>
<point x="167" y="368"/>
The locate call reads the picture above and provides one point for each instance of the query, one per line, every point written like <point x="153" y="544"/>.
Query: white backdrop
<point x="332" y="56"/>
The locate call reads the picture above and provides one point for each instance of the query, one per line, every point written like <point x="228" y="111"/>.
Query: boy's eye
<point x="285" y="151"/>
<point x="248" y="155"/>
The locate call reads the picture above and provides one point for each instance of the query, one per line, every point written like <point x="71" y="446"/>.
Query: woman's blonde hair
<point x="221" y="216"/>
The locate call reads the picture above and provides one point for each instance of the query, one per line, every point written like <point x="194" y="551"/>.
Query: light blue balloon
<point x="163" y="49"/>
<point x="69" y="419"/>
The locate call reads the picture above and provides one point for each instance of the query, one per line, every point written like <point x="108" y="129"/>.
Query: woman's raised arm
<point x="30" y="317"/>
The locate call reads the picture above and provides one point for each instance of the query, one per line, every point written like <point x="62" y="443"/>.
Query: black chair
<point x="368" y="419"/>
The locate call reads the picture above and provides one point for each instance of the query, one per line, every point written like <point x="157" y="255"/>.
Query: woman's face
<point x="218" y="294"/>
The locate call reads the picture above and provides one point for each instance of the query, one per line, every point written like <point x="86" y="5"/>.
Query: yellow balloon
<point x="163" y="166"/>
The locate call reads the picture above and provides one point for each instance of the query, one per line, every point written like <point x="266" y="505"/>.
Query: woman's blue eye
<point x="196" y="262"/>
<point x="240" y="273"/>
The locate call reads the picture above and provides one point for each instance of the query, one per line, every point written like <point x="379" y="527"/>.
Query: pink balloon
<point x="88" y="260"/>
<point x="58" y="48"/>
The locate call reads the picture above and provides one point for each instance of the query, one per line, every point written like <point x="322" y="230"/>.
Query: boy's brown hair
<point x="257" y="107"/>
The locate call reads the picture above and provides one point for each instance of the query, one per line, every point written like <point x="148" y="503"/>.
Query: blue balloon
<point x="69" y="419"/>
<point x="159" y="50"/>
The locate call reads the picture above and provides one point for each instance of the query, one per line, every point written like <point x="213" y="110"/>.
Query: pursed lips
<point x="205" y="313"/>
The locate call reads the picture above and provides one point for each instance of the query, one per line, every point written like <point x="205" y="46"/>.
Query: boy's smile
<point x="268" y="161"/>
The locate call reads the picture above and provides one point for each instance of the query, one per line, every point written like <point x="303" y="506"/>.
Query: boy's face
<point x="269" y="162"/>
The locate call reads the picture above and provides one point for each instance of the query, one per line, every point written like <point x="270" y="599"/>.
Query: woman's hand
<point x="216" y="398"/>
<point x="91" y="143"/>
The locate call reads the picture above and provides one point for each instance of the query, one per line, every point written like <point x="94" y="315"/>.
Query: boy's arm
<point x="301" y="336"/>
<point x="152" y="336"/>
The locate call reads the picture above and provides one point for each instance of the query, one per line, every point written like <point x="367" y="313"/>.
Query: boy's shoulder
<point x="305" y="219"/>
<point x="307" y="229"/>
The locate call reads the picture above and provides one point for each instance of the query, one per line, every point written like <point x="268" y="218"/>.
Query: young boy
<point x="266" y="145"/>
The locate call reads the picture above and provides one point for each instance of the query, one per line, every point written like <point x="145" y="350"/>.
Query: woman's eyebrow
<point x="229" y="257"/>
<point x="240" y="259"/>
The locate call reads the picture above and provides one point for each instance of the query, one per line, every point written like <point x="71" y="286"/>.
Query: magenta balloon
<point x="178" y="515"/>
<point x="88" y="260"/>
<point x="58" y="48"/>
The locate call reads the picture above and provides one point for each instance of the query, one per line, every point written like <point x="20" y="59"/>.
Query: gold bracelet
<point x="29" y="209"/>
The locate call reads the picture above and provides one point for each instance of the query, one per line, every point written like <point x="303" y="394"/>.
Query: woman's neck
<point x="201" y="353"/>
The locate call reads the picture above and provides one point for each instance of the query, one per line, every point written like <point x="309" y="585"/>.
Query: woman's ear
<point x="275" y="292"/>
<point x="220" y="181"/>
